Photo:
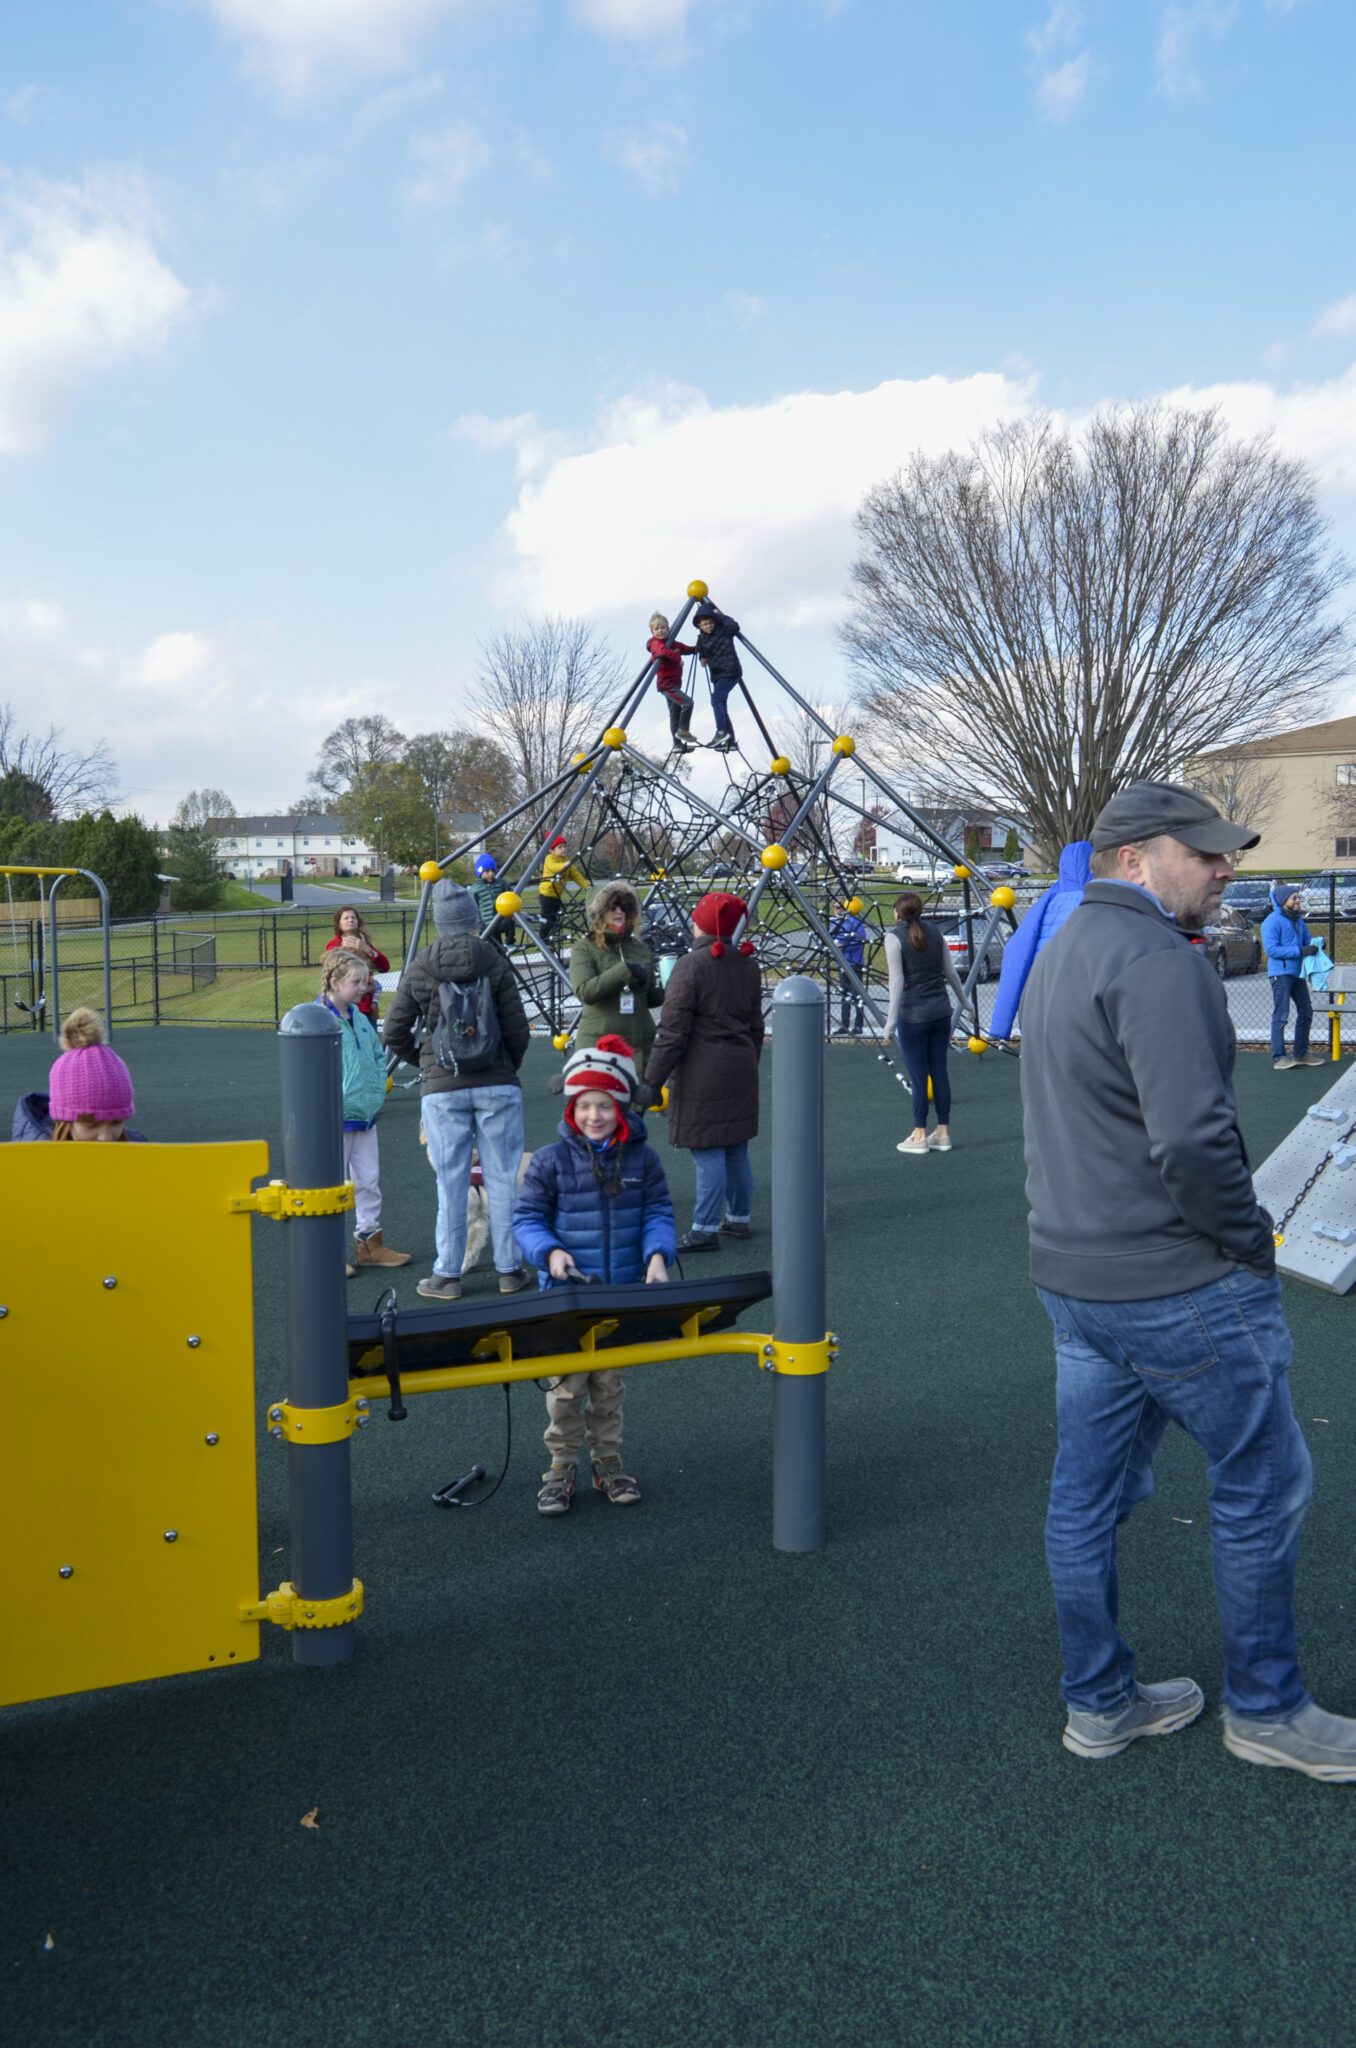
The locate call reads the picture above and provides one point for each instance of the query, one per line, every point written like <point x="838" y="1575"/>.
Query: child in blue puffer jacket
<point x="345" y="978"/>
<point x="1288" y="943"/>
<point x="595" y="1205"/>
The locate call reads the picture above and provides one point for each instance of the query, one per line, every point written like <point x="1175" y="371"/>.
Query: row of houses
<point x="313" y="845"/>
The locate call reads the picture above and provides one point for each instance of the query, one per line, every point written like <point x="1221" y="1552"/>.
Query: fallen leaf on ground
<point x="311" y="1819"/>
<point x="50" y="1941"/>
<point x="1185" y="1520"/>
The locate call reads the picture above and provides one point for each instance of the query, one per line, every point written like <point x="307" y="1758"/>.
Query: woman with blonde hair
<point x="613" y="972"/>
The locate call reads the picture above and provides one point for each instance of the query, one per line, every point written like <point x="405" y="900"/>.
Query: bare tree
<point x="545" y="687"/>
<point x="350" y="751"/>
<point x="69" y="781"/>
<point x="200" y="807"/>
<point x="1243" y="785"/>
<point x="1046" y="620"/>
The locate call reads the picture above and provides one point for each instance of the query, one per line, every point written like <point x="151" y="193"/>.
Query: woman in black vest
<point x="923" y="980"/>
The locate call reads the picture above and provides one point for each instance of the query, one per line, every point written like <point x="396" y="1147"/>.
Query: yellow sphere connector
<point x="845" y="744"/>
<point x="430" y="871"/>
<point x="579" y="761"/>
<point x="780" y="766"/>
<point x="508" y="903"/>
<point x="977" y="1044"/>
<point x="854" y="906"/>
<point x="614" y="737"/>
<point x="561" y="1040"/>
<point x="696" y="588"/>
<point x="773" y="857"/>
<point x="1003" y="898"/>
<point x="962" y="873"/>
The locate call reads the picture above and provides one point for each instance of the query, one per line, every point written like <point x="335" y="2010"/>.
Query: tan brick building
<point x="1302" y="785"/>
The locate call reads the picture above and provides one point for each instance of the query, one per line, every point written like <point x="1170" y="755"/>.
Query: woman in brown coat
<point x="707" y="1048"/>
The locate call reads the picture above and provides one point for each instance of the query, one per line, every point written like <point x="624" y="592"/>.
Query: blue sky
<point x="335" y="334"/>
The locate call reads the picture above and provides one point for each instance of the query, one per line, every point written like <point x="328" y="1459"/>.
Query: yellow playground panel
<point x="128" y="1508"/>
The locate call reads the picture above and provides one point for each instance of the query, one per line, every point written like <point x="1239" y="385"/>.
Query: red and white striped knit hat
<point x="609" y="1066"/>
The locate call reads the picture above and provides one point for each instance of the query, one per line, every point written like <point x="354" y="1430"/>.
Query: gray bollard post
<point x="311" y="1060"/>
<point x="799" y="1310"/>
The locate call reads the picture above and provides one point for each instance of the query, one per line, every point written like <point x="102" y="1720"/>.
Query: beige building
<point x="1298" y="788"/>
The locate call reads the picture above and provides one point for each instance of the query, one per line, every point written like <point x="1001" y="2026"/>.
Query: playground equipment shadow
<point x="635" y="1779"/>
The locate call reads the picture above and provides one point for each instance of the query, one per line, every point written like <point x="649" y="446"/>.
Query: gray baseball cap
<point x="1151" y="810"/>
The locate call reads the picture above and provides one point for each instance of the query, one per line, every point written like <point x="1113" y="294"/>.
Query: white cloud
<point x="593" y="532"/>
<point x="1336" y="320"/>
<point x="637" y="19"/>
<point x="184" y="709"/>
<point x="655" y="158"/>
<point x="446" y="163"/>
<point x="294" y="42"/>
<point x="746" y="307"/>
<point x="81" y="290"/>
<point x="1059" y="28"/>
<point x="1181" y="30"/>
<point x="396" y="101"/>
<point x="1058" y="92"/>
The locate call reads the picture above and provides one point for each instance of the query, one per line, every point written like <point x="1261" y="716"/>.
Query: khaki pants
<point x="583" y="1401"/>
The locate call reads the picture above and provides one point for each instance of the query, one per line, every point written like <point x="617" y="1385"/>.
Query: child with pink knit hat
<point x="89" y="1097"/>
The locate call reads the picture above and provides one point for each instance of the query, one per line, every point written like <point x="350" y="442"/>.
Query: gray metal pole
<point x="311" y="1062"/>
<point x="799" y="1311"/>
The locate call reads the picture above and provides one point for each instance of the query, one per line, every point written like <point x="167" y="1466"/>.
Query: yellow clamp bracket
<point x="317" y="1425"/>
<point x="279" y="1201"/>
<point x="800" y="1361"/>
<point x="287" y="1609"/>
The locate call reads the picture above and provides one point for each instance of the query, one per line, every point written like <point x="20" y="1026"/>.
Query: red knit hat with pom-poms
<point x="719" y="913"/>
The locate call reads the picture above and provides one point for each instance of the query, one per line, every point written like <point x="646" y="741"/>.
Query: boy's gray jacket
<point x="1137" y="1175"/>
<point x="460" y="957"/>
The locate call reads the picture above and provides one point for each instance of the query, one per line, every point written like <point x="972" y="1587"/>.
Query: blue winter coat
<point x="1284" y="938"/>
<point x="849" y="933"/>
<point x="609" y="1236"/>
<point x="1036" y="930"/>
<point x="33" y="1122"/>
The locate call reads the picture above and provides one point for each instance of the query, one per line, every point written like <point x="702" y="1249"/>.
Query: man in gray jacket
<point x="1157" y="1269"/>
<point x="461" y="1110"/>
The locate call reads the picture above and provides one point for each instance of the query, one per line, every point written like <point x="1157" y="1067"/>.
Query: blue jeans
<point x="924" y="1049"/>
<point x="491" y="1119"/>
<point x="1215" y="1361"/>
<point x="724" y="1185"/>
<point x="721" y="687"/>
<point x="1285" y="990"/>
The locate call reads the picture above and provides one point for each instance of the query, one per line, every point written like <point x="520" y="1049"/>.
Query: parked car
<point x="1004" y="871"/>
<point x="1332" y="886"/>
<point x="1251" y="895"/>
<point x="1232" y="943"/>
<point x="952" y="929"/>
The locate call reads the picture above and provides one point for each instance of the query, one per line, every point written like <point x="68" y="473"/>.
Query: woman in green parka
<point x="613" y="973"/>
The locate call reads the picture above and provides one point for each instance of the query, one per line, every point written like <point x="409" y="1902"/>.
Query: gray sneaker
<point x="439" y="1287"/>
<point x="1313" y="1059"/>
<point x="1284" y="1064"/>
<point x="1321" y="1745"/>
<point x="1155" y="1710"/>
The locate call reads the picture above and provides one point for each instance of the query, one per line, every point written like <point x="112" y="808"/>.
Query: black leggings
<point x="924" y="1049"/>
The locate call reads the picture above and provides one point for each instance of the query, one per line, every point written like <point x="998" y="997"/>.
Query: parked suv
<point x="1331" y="885"/>
<point x="952" y="930"/>
<point x="1252" y="896"/>
<point x="1231" y="942"/>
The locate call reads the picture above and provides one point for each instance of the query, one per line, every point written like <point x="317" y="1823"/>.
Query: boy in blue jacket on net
<point x="595" y="1205"/>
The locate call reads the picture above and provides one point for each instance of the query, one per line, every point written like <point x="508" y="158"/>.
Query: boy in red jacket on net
<point x="668" y="680"/>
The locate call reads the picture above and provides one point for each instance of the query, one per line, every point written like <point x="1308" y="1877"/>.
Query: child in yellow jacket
<point x="557" y="874"/>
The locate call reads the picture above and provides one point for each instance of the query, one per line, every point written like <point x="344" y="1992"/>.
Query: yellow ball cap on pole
<point x="614" y="737"/>
<point x="430" y="871"/>
<point x="508" y="903"/>
<point x="1003" y="898"/>
<point x="962" y="873"/>
<point x="854" y="906"/>
<point x="773" y="857"/>
<point x="579" y="761"/>
<point x="845" y="744"/>
<point x="560" y="1040"/>
<point x="977" y="1045"/>
<point x="780" y="765"/>
<point x="696" y="588"/>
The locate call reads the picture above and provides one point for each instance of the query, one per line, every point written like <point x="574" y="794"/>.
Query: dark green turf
<point x="632" y="1778"/>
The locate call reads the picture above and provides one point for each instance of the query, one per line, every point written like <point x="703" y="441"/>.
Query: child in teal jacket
<point x="344" y="979"/>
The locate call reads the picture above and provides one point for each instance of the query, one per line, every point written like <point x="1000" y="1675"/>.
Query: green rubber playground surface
<point x="632" y="1778"/>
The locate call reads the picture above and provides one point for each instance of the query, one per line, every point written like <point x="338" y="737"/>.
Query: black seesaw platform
<point x="541" y="1324"/>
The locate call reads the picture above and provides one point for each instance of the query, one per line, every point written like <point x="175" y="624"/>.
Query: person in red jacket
<point x="351" y="933"/>
<point x="668" y="680"/>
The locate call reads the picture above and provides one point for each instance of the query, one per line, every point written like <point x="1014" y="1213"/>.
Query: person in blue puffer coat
<point x="1049" y="911"/>
<point x="1287" y="943"/>
<point x="850" y="933"/>
<point x="595" y="1206"/>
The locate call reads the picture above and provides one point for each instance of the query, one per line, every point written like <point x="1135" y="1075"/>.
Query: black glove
<point x="640" y="974"/>
<point x="1308" y="952"/>
<point x="643" y="1096"/>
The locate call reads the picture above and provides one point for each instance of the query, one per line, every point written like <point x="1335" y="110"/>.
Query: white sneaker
<point x="917" y="1146"/>
<point x="937" y="1143"/>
